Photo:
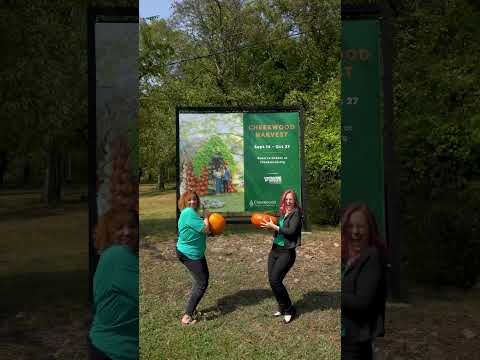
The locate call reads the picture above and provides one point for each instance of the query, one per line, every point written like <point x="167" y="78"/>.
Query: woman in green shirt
<point x="114" y="331"/>
<point x="191" y="246"/>
<point x="286" y="238"/>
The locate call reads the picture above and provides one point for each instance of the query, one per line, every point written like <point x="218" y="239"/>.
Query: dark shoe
<point x="289" y="315"/>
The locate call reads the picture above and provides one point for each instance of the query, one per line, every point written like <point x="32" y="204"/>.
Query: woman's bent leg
<point x="280" y="262"/>
<point x="200" y="275"/>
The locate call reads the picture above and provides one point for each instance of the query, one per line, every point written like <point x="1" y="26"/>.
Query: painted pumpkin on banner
<point x="258" y="218"/>
<point x="217" y="223"/>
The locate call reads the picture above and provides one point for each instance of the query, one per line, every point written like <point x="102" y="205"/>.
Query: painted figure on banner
<point x="226" y="178"/>
<point x="218" y="180"/>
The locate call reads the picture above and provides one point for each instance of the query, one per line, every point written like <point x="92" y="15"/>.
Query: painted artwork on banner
<point x="240" y="162"/>
<point x="116" y="63"/>
<point x="211" y="159"/>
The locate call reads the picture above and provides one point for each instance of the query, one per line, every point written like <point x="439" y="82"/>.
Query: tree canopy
<point x="244" y="53"/>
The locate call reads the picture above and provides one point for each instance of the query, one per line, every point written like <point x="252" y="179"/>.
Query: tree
<point x="242" y="53"/>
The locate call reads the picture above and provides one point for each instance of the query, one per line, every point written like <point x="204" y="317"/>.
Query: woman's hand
<point x="269" y="225"/>
<point x="206" y="229"/>
<point x="206" y="213"/>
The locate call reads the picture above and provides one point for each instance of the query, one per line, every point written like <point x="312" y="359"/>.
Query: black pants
<point x="356" y="351"/>
<point x="225" y="185"/>
<point x="280" y="261"/>
<point x="200" y="275"/>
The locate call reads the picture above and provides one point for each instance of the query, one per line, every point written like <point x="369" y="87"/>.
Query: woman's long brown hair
<point x="373" y="233"/>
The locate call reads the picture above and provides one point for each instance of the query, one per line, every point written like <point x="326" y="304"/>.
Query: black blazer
<point x="364" y="293"/>
<point x="292" y="229"/>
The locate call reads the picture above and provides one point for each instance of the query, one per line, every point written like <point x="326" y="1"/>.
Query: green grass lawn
<point x="235" y="320"/>
<point x="43" y="277"/>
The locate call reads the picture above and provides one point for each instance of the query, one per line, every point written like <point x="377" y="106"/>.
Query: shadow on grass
<point x="26" y="292"/>
<point x="37" y="307"/>
<point x="318" y="301"/>
<point x="231" y="303"/>
<point x="311" y="301"/>
<point x="38" y="210"/>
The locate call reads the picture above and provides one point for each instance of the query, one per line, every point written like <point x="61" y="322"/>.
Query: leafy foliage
<point x="244" y="53"/>
<point x="437" y="136"/>
<point x="436" y="96"/>
<point x="213" y="147"/>
<point x="44" y="87"/>
<point x="322" y="129"/>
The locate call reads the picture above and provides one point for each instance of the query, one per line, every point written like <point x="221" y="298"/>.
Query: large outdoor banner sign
<point x="113" y="108"/>
<point x="362" y="145"/>
<point x="239" y="162"/>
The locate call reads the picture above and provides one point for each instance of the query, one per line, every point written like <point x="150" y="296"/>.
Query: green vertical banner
<point x="362" y="147"/>
<point x="271" y="158"/>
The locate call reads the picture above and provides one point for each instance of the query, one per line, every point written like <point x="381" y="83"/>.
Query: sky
<point x="155" y="7"/>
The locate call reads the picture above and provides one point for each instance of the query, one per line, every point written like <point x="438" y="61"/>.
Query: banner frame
<point x="243" y="109"/>
<point x="97" y="15"/>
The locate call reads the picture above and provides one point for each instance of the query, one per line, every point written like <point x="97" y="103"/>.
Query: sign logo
<point x="262" y="203"/>
<point x="273" y="179"/>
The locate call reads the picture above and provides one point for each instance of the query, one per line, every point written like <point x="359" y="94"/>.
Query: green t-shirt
<point x="191" y="238"/>
<point x="279" y="239"/>
<point x="115" y="291"/>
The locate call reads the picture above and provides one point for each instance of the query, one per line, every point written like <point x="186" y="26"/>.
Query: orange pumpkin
<point x="258" y="218"/>
<point x="217" y="223"/>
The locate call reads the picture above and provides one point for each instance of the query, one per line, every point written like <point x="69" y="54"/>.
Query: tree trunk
<point x="3" y="167"/>
<point x="161" y="177"/>
<point x="53" y="176"/>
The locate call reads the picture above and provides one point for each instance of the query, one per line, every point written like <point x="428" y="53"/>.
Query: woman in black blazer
<point x="363" y="283"/>
<point x="286" y="238"/>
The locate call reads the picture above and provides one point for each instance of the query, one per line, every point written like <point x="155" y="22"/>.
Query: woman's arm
<point x="206" y="215"/>
<point x="206" y="229"/>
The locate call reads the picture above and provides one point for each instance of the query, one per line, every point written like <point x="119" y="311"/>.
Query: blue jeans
<point x="218" y="185"/>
